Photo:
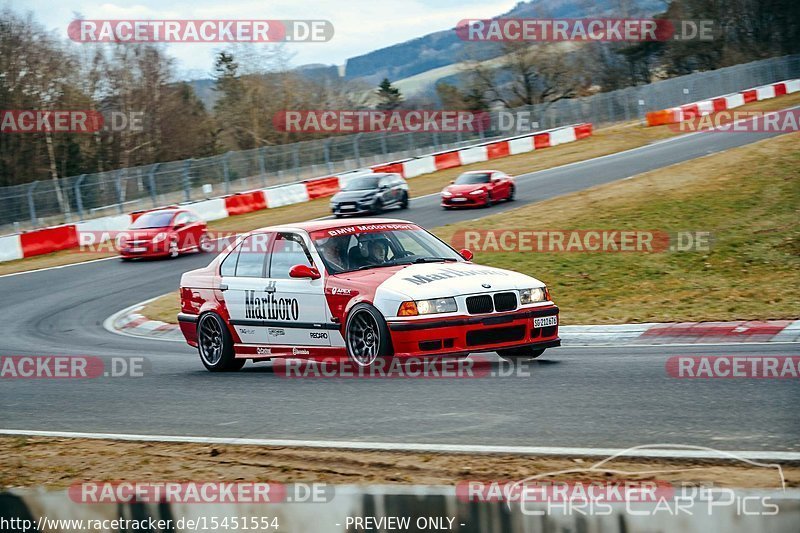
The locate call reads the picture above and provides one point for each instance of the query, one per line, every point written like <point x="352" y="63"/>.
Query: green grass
<point x="748" y="198"/>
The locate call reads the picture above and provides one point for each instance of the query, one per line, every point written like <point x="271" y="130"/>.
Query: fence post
<point x="187" y="180"/>
<point x="326" y="150"/>
<point x="31" y="203"/>
<point x="356" y="151"/>
<point x="296" y="161"/>
<point x="151" y="179"/>
<point x="262" y="165"/>
<point x="77" y="190"/>
<point x="383" y="143"/>
<point x="120" y="190"/>
<point x="226" y="173"/>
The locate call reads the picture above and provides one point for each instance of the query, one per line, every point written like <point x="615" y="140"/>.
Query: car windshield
<point x="473" y="178"/>
<point x="363" y="247"/>
<point x="367" y="183"/>
<point x="155" y="219"/>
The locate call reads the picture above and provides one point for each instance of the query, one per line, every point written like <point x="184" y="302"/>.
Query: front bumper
<point x="145" y="249"/>
<point x="464" y="201"/>
<point x="433" y="336"/>
<point x="357" y="209"/>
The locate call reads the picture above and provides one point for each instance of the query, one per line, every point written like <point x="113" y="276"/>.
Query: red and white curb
<point x="130" y="321"/>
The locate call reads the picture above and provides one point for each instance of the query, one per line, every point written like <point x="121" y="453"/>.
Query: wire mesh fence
<point x="89" y="196"/>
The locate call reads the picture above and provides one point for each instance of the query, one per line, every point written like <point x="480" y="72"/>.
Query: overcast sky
<point x="360" y="25"/>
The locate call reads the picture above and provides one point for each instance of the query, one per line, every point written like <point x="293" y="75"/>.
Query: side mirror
<point x="452" y="182"/>
<point x="495" y="180"/>
<point x="467" y="254"/>
<point x="304" y="271"/>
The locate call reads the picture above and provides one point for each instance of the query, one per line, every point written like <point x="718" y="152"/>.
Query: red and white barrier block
<point x="53" y="239"/>
<point x="721" y="103"/>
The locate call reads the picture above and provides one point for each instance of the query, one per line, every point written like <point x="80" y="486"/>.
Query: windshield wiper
<point x="433" y="259"/>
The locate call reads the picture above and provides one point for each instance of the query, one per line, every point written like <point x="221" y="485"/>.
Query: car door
<point x="301" y="316"/>
<point x="500" y="186"/>
<point x="246" y="289"/>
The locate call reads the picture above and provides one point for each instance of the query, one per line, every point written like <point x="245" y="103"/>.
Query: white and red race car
<point x="363" y="289"/>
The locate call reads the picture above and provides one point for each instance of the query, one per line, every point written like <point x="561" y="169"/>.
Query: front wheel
<point x="520" y="355"/>
<point x="511" y="193"/>
<point x="205" y="245"/>
<point x="488" y="200"/>
<point x="377" y="207"/>
<point x="215" y="345"/>
<point x="366" y="335"/>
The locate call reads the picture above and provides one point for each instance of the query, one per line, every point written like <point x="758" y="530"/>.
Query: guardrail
<point x="702" y="108"/>
<point x="67" y="236"/>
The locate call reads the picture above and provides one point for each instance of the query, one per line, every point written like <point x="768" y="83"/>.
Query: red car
<point x="478" y="188"/>
<point x="363" y="289"/>
<point x="163" y="233"/>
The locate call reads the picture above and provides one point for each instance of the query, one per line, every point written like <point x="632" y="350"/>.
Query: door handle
<point x="223" y="287"/>
<point x="270" y="288"/>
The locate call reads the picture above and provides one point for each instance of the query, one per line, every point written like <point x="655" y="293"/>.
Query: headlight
<point x="428" y="307"/>
<point x="447" y="194"/>
<point x="479" y="191"/>
<point x="160" y="237"/>
<point x="530" y="296"/>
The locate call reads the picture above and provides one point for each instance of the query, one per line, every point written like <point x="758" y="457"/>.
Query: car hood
<point x="462" y="189"/>
<point x="440" y="280"/>
<point x="144" y="233"/>
<point x="352" y="196"/>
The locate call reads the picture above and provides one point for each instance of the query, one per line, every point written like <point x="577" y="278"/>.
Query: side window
<point x="288" y="250"/>
<point x="182" y="218"/>
<point x="228" y="266"/>
<point x="253" y="256"/>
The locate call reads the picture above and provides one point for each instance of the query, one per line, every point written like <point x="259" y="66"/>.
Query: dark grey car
<point x="370" y="194"/>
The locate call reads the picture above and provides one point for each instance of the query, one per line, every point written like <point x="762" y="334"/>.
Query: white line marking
<point x="58" y="266"/>
<point x="397" y="446"/>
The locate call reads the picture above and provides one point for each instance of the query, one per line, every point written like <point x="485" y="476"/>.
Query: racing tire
<point x="488" y="203"/>
<point x="511" y="193"/>
<point x="404" y="201"/>
<point x="215" y="345"/>
<point x="377" y="207"/>
<point x="366" y="335"/>
<point x="518" y="356"/>
<point x="337" y="215"/>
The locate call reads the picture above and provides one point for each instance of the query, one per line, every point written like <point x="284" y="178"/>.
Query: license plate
<point x="347" y="207"/>
<point x="137" y="249"/>
<point x="545" y="321"/>
<point x="459" y="200"/>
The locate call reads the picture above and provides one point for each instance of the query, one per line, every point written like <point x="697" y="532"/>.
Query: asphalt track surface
<point x="577" y="397"/>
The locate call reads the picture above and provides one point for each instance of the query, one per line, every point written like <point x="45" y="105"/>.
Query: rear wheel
<point x="215" y="345"/>
<point x="366" y="335"/>
<point x="404" y="201"/>
<point x="511" y="193"/>
<point x="520" y="355"/>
